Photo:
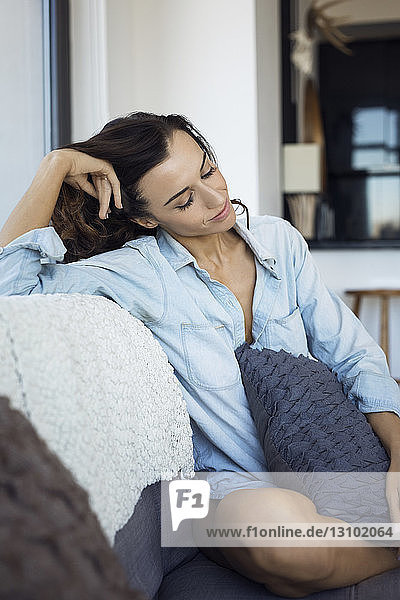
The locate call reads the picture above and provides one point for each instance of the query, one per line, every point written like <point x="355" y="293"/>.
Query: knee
<point x="298" y="564"/>
<point x="269" y="504"/>
<point x="304" y="570"/>
<point x="288" y="571"/>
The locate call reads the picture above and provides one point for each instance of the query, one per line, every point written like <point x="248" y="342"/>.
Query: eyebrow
<point x="187" y="187"/>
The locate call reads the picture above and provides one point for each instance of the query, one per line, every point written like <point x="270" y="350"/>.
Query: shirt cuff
<point x="373" y="392"/>
<point x="45" y="240"/>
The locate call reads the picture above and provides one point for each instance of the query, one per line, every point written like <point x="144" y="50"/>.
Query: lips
<point x="222" y="211"/>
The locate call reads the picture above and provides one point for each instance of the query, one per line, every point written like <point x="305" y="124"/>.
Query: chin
<point x="230" y="220"/>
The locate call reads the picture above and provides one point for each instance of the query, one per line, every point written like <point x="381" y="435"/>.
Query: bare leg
<point x="293" y="571"/>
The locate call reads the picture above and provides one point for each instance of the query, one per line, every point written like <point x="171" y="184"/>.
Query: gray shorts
<point x="224" y="482"/>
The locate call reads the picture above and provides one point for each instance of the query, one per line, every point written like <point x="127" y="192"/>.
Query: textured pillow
<point x="51" y="543"/>
<point x="306" y="423"/>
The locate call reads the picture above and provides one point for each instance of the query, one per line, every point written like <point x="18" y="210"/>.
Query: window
<point x="35" y="98"/>
<point x="360" y="105"/>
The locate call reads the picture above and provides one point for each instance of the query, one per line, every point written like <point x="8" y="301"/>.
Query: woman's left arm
<point x="387" y="427"/>
<point x="338" y="338"/>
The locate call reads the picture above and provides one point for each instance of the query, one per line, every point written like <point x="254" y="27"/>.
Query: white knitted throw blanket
<point x="99" y="390"/>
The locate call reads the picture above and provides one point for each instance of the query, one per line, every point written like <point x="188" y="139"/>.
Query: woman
<point x="146" y="220"/>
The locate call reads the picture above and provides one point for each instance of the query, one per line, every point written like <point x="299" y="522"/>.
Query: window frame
<point x="56" y="74"/>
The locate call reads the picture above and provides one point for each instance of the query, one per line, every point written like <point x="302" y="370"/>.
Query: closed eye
<point x="190" y="199"/>
<point x="210" y="172"/>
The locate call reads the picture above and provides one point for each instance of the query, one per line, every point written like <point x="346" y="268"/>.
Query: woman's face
<point x="186" y="191"/>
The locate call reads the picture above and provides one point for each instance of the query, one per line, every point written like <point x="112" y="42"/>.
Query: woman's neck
<point x="213" y="251"/>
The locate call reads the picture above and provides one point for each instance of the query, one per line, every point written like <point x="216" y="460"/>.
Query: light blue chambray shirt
<point x="199" y="322"/>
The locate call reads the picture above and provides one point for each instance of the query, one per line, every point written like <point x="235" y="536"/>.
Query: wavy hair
<point x="133" y="144"/>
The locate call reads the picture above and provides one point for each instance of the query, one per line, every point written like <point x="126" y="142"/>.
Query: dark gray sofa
<point x="187" y="574"/>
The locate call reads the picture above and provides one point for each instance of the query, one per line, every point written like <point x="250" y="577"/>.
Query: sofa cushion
<point x="111" y="402"/>
<point x="203" y="579"/>
<point x="305" y="423"/>
<point x="138" y="545"/>
<point x="51" y="543"/>
<point x="186" y="573"/>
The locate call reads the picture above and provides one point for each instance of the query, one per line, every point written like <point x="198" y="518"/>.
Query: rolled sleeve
<point x="22" y="259"/>
<point x="372" y="392"/>
<point x="46" y="240"/>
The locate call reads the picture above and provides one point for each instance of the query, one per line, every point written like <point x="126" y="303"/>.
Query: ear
<point x="145" y="223"/>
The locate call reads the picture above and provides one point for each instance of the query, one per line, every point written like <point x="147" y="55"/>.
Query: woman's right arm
<point x="35" y="208"/>
<point x="27" y="243"/>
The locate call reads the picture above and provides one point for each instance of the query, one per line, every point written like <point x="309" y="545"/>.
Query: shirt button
<point x="43" y="254"/>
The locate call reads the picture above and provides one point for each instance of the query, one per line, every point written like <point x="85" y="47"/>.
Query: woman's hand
<point x="105" y="181"/>
<point x="393" y="489"/>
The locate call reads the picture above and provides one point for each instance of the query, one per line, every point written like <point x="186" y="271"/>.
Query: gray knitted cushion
<point x="306" y="423"/>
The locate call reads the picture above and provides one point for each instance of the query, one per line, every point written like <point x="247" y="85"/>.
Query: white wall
<point x="89" y="78"/>
<point x="194" y="58"/>
<point x="21" y="99"/>
<point x="217" y="62"/>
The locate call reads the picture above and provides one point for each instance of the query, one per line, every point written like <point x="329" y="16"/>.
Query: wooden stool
<point x="384" y="296"/>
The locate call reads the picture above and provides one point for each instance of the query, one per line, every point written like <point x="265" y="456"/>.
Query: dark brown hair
<point x="133" y="144"/>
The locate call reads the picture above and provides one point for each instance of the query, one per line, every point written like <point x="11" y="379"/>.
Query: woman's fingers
<point x="89" y="188"/>
<point x="105" y="180"/>
<point x="82" y="164"/>
<point x="101" y="189"/>
<point x="80" y="182"/>
<point x="104" y="189"/>
<point x="393" y="494"/>
<point x="114" y="182"/>
<point x="392" y="497"/>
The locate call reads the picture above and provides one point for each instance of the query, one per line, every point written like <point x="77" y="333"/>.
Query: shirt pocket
<point x="287" y="333"/>
<point x="209" y="358"/>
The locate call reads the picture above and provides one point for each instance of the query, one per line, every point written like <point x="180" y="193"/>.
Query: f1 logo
<point x="188" y="499"/>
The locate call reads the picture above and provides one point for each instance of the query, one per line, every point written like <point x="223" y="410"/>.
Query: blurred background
<point x="300" y="99"/>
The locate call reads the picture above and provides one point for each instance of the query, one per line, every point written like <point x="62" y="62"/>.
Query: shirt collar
<point x="178" y="256"/>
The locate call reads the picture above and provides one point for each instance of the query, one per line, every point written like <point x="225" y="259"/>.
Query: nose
<point x="213" y="198"/>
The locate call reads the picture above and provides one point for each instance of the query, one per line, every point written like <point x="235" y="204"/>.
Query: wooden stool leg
<point x="356" y="309"/>
<point x="385" y="326"/>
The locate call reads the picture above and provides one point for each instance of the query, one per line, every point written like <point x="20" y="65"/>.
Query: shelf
<point x="365" y="173"/>
<point x="350" y="245"/>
